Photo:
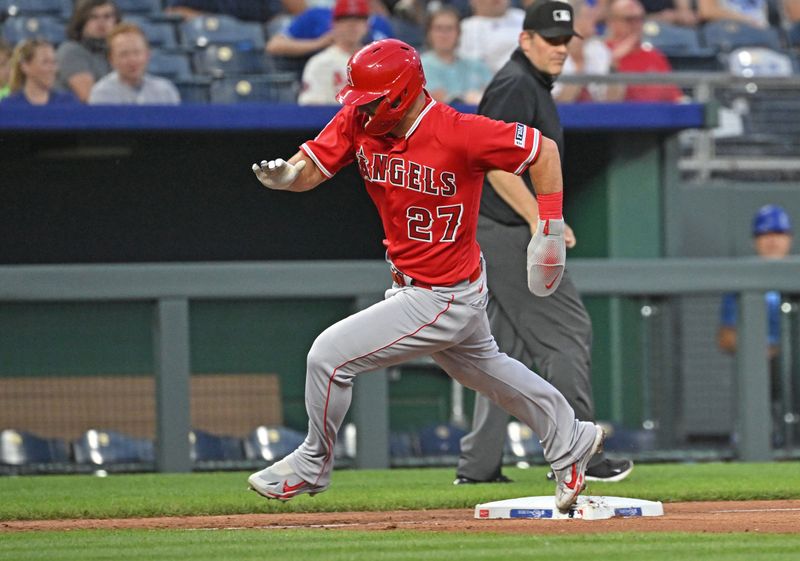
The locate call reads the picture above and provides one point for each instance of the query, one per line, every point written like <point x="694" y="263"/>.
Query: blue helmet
<point x="771" y="219"/>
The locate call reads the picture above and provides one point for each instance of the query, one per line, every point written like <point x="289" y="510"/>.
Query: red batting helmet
<point x="390" y="69"/>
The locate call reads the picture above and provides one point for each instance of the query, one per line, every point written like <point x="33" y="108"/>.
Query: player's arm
<point x="726" y="339"/>
<point x="546" y="255"/>
<point x="545" y="172"/>
<point x="283" y="45"/>
<point x="516" y="194"/>
<point x="300" y="173"/>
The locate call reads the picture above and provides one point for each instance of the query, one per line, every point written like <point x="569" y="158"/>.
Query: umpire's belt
<point x="401" y="279"/>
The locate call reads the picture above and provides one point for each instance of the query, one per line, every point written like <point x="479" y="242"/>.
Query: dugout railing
<point x="171" y="287"/>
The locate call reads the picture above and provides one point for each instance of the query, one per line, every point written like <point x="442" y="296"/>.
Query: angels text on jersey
<point x="399" y="172"/>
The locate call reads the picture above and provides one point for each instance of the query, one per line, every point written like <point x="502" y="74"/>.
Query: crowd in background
<point x="105" y="57"/>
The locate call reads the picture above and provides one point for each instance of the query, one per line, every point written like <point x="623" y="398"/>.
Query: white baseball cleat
<point x="279" y="481"/>
<point x="570" y="481"/>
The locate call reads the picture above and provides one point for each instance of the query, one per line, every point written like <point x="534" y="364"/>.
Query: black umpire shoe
<point x="608" y="471"/>
<point x="461" y="480"/>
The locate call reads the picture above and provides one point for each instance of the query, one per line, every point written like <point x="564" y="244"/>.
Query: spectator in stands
<point x="490" y="35"/>
<point x="678" y="12"/>
<point x="772" y="239"/>
<point x="82" y="58"/>
<point x="325" y="73"/>
<point x="749" y="12"/>
<point x="311" y="31"/>
<point x="129" y="83"/>
<point x="628" y="55"/>
<point x="33" y="76"/>
<point x="245" y="10"/>
<point x="791" y="12"/>
<point x="587" y="55"/>
<point x="5" y="67"/>
<point x="450" y="77"/>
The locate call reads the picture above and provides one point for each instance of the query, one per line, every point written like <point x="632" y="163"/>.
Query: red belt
<point x="400" y="280"/>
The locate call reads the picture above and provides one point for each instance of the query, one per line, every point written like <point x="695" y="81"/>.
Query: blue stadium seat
<point x="793" y="34"/>
<point x="729" y="35"/>
<point x="288" y="64"/>
<point x="272" y="443"/>
<point x="681" y="45"/>
<point x="160" y="34"/>
<point x="173" y="66"/>
<point x="402" y="445"/>
<point x="52" y="8"/>
<point x="276" y="24"/>
<point x="225" y="60"/>
<point x="706" y="60"/>
<point x="440" y="440"/>
<point x="206" y="446"/>
<point x="672" y="39"/>
<point x="624" y="440"/>
<point x="19" y="448"/>
<point x="145" y="7"/>
<point x="463" y="6"/>
<point x="194" y="90"/>
<point x="272" y="88"/>
<point x="28" y="27"/>
<point x="221" y="30"/>
<point x="758" y="61"/>
<point x="521" y="441"/>
<point x="408" y="32"/>
<point x="100" y="447"/>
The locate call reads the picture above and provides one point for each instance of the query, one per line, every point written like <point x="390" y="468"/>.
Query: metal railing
<point x="704" y="161"/>
<point x="170" y="287"/>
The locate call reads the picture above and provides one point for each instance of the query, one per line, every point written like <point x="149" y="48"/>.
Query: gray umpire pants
<point x="551" y="335"/>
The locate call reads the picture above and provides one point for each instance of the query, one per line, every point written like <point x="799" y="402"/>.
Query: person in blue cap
<point x="772" y="239"/>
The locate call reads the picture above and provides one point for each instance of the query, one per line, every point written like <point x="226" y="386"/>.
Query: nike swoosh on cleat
<point x="551" y="283"/>
<point x="290" y="488"/>
<point x="573" y="480"/>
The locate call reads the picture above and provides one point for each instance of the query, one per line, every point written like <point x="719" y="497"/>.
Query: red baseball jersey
<point x="427" y="184"/>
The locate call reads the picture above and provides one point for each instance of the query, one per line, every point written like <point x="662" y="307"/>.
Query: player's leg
<point x="551" y="335"/>
<point x="557" y="332"/>
<point x="408" y="324"/>
<point x="481" y="455"/>
<point x="568" y="443"/>
<point x="477" y="363"/>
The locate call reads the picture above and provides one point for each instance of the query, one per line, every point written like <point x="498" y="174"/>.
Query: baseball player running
<point x="423" y="164"/>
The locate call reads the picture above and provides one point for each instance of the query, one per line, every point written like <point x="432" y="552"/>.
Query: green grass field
<point x="51" y="497"/>
<point x="296" y="545"/>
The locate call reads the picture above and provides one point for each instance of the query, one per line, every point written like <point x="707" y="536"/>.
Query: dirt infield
<point x="728" y="516"/>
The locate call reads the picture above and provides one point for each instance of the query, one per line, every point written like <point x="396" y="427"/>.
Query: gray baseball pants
<point x="451" y="325"/>
<point x="552" y="333"/>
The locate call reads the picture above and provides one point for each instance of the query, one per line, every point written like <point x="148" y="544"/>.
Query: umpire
<point x="553" y="334"/>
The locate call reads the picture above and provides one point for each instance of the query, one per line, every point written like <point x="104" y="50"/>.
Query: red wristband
<point x="550" y="205"/>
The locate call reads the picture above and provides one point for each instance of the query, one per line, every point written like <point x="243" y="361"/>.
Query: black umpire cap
<point x="550" y="19"/>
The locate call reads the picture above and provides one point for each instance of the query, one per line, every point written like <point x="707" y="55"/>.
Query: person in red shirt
<point x="628" y="54"/>
<point x="423" y="165"/>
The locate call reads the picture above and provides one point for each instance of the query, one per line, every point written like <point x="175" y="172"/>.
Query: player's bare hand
<point x="278" y="174"/>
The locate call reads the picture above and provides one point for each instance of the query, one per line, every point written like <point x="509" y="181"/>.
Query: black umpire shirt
<point x="519" y="92"/>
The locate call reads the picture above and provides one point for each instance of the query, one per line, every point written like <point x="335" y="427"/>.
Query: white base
<point x="587" y="508"/>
